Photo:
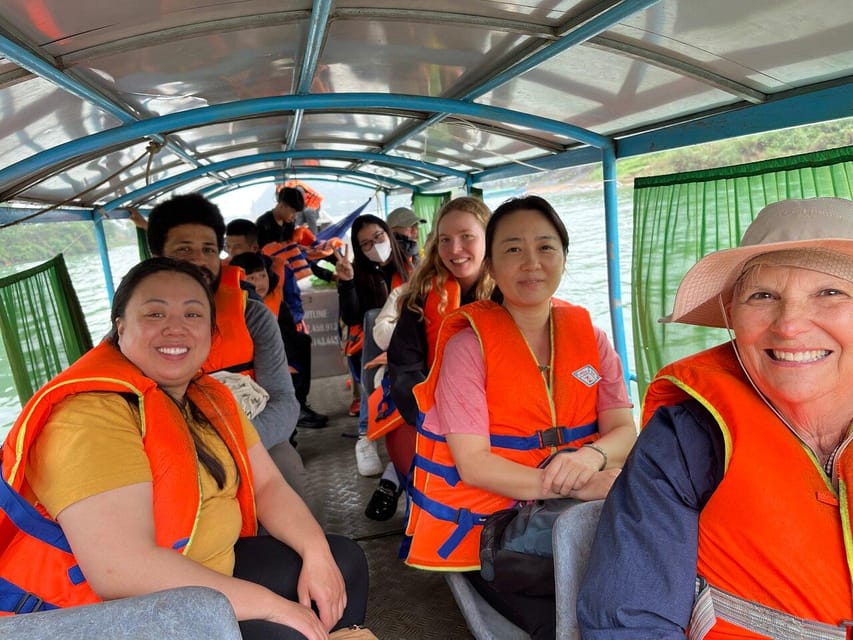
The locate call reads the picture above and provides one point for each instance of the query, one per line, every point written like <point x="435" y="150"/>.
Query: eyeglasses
<point x="367" y="245"/>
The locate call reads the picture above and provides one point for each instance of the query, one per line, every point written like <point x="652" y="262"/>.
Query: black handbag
<point x="516" y="554"/>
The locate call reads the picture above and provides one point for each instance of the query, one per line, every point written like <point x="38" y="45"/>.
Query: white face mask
<point x="380" y="252"/>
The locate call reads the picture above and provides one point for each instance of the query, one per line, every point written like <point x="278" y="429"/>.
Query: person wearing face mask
<point x="404" y="224"/>
<point x="450" y="275"/>
<point x="377" y="267"/>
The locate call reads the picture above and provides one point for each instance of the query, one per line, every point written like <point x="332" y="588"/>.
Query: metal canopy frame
<point x="494" y="70"/>
<point x="542" y="42"/>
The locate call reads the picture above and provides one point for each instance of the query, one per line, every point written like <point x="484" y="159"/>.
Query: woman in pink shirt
<point x="526" y="399"/>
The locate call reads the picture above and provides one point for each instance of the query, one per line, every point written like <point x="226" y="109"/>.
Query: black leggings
<point x="297" y="347"/>
<point x="271" y="563"/>
<point x="537" y="615"/>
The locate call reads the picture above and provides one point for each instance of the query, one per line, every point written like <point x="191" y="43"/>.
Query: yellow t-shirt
<point x="92" y="443"/>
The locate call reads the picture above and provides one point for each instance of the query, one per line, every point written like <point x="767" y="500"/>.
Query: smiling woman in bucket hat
<point x="824" y="224"/>
<point x="738" y="487"/>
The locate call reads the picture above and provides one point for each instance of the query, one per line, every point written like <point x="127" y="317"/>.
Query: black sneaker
<point x="310" y="419"/>
<point x="383" y="502"/>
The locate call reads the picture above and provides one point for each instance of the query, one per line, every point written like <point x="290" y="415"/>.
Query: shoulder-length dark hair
<point x="369" y="281"/>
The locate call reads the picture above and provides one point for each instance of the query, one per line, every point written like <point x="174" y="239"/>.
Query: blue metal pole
<point x="302" y="172"/>
<point x="26" y="169"/>
<point x="614" y="284"/>
<point x="216" y="190"/>
<point x="173" y="181"/>
<point x="104" y="252"/>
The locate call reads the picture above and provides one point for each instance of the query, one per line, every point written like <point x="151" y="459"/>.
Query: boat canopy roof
<point x="110" y="104"/>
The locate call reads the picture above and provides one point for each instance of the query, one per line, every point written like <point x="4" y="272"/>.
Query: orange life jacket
<point x="38" y="569"/>
<point x="775" y="531"/>
<point x="323" y="248"/>
<point x="433" y="316"/>
<point x="310" y="196"/>
<point x="382" y="415"/>
<point x="292" y="253"/>
<point x="232" y="349"/>
<point x="275" y="295"/>
<point x="311" y="247"/>
<point x="447" y="515"/>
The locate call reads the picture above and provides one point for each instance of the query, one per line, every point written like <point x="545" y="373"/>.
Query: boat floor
<point x="404" y="603"/>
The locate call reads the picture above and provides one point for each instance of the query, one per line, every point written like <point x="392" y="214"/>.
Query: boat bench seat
<point x="185" y="613"/>
<point x="483" y="621"/>
<point x="572" y="538"/>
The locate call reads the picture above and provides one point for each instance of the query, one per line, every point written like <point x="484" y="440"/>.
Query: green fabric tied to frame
<point x="425" y="206"/>
<point x="42" y="324"/>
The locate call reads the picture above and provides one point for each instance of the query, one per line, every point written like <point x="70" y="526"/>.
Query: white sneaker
<point x="367" y="458"/>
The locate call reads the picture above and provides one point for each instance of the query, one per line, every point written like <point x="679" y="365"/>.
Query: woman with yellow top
<point x="132" y="472"/>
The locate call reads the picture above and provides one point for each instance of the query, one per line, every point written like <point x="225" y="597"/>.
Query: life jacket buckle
<point x="552" y="437"/>
<point x="463" y="514"/>
<point x="26" y="600"/>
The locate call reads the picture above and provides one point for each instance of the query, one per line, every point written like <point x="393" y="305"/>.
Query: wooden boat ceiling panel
<point x="419" y="94"/>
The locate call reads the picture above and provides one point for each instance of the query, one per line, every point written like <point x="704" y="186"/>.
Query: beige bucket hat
<point x="823" y="224"/>
<point x="403" y="217"/>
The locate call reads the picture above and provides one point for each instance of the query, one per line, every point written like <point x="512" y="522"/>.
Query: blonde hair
<point x="431" y="272"/>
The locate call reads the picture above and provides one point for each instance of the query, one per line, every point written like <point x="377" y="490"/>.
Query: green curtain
<point x="426" y="205"/>
<point x="681" y="217"/>
<point x="44" y="329"/>
<point x="142" y="244"/>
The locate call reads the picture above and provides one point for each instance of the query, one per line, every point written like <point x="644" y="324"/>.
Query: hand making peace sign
<point x="343" y="267"/>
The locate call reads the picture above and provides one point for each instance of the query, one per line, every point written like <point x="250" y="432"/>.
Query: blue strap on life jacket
<point x="429" y="435"/>
<point x="552" y="437"/>
<point x="464" y="519"/>
<point x="291" y="259"/>
<point x="13" y="599"/>
<point x="27" y="519"/>
<point x="386" y="405"/>
<point x="448" y="472"/>
<point x="543" y="439"/>
<point x="546" y="438"/>
<point x="180" y="543"/>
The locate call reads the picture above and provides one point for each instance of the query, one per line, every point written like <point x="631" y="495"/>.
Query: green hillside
<point x="776" y="144"/>
<point x="37" y="242"/>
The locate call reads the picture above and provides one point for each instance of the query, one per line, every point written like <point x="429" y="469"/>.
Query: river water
<point x="584" y="282"/>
